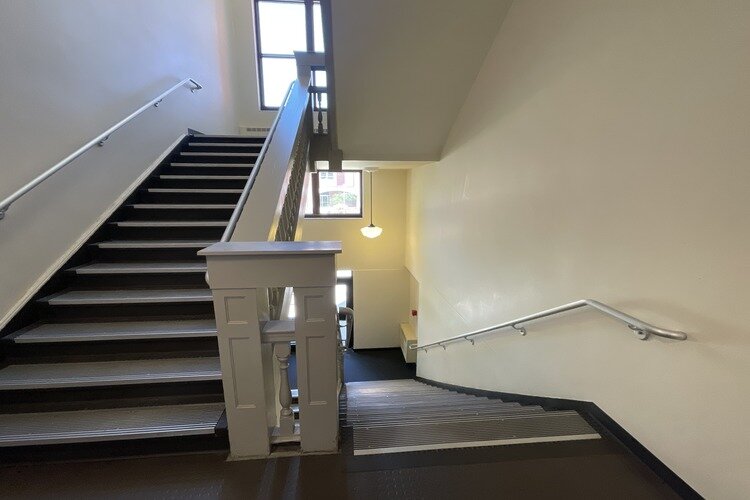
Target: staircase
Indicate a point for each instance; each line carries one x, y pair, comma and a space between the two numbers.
406, 415
120, 346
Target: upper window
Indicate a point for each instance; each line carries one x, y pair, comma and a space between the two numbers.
334, 194
281, 28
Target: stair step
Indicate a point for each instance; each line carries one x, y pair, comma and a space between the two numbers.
195, 190
183, 206
201, 165
140, 267
549, 427
154, 244
415, 418
98, 297
28, 429
105, 373
206, 177
215, 153
170, 223
96, 332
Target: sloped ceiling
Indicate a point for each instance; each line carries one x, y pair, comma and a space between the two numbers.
403, 69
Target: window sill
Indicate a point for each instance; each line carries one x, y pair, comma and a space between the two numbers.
327, 216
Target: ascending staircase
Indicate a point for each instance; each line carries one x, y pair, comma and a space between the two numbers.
406, 415
120, 345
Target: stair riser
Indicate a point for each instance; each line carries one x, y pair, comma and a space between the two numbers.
167, 233
104, 450
142, 280
121, 311
228, 139
196, 214
147, 254
147, 197
199, 183
121, 396
195, 157
195, 170
239, 148
70, 352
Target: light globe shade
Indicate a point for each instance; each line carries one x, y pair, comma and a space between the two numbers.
371, 231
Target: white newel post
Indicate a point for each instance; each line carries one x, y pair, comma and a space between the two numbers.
240, 274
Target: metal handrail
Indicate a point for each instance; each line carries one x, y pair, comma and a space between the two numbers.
641, 328
96, 141
232, 224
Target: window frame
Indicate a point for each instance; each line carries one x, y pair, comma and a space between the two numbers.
315, 193
259, 55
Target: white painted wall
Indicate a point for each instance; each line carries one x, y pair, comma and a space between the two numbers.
381, 282
403, 68
603, 152
72, 68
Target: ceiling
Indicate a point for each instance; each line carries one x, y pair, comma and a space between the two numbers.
403, 69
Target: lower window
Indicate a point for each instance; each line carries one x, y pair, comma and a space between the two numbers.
334, 194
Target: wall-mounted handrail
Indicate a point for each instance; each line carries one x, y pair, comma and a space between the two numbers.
229, 231
96, 141
641, 328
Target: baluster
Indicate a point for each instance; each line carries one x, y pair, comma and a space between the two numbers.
320, 113
282, 351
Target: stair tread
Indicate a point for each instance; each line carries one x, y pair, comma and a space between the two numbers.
126, 330
23, 429
155, 243
140, 267
98, 373
170, 223
125, 296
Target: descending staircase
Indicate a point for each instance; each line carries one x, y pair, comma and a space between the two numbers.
406, 415
120, 345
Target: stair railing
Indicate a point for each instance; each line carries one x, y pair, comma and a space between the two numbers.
99, 140
253, 271
641, 329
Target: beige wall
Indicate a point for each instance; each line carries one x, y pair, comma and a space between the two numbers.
603, 153
381, 284
70, 70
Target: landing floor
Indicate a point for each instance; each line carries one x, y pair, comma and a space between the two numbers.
581, 470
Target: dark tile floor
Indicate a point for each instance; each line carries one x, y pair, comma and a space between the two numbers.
582, 470
368, 364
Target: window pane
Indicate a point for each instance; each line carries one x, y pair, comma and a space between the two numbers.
278, 74
340, 193
318, 28
341, 292
282, 27
320, 78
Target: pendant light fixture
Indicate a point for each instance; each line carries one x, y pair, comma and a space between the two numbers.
371, 231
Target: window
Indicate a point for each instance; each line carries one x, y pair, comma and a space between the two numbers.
334, 194
281, 28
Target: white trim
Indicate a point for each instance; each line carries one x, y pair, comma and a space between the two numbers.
474, 444
86, 235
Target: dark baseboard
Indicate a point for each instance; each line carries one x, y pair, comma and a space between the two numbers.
599, 419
